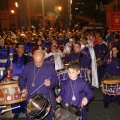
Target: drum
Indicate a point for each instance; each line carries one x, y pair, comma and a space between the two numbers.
67, 113
62, 75
111, 86
38, 106
84, 74
99, 61
10, 93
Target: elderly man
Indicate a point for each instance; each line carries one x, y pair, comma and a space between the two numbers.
36, 73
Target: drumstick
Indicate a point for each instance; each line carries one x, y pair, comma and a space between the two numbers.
10, 109
11, 58
39, 87
3, 106
110, 55
81, 108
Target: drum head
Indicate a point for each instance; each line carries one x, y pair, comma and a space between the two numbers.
38, 106
112, 80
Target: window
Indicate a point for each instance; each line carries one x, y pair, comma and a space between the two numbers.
3, 4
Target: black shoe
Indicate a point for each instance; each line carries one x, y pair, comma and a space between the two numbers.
15, 117
106, 105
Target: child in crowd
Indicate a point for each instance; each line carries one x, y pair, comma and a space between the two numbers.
75, 90
55, 56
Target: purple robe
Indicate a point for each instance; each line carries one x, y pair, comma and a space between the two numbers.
85, 58
101, 50
47, 71
18, 65
28, 47
85, 62
60, 42
112, 69
116, 44
4, 55
81, 90
71, 57
11, 50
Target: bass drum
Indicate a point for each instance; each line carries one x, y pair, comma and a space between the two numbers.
38, 106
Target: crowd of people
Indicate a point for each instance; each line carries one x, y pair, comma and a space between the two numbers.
38, 56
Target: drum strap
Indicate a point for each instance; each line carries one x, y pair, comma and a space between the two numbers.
106, 75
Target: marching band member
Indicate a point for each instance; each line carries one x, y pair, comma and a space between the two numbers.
75, 90
101, 51
3, 54
87, 59
112, 63
16, 67
36, 73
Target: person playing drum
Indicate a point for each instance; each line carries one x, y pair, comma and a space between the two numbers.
75, 90
112, 63
39, 73
101, 51
16, 67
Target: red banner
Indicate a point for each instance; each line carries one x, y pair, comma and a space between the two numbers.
115, 20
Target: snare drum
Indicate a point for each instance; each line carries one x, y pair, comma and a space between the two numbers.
84, 74
10, 93
38, 106
62, 75
111, 86
68, 113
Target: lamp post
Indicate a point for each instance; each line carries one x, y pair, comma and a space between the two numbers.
70, 12
12, 11
43, 14
16, 5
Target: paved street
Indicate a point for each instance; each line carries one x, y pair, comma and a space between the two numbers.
96, 110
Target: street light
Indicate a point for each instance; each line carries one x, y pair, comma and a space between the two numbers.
43, 13
70, 12
16, 4
12, 11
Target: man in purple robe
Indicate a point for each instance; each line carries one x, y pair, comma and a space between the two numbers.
39, 73
16, 67
75, 90
101, 51
112, 63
